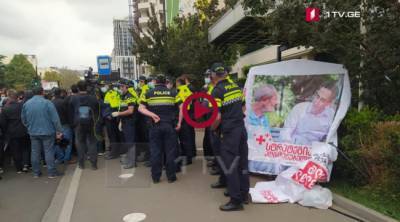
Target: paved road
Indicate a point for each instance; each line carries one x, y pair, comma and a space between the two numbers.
23, 198
102, 196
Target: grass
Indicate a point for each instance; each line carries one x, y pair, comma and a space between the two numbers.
385, 203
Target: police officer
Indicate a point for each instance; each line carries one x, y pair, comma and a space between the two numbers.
186, 134
188, 83
131, 89
143, 87
141, 90
215, 138
215, 142
142, 81
105, 111
233, 149
161, 106
208, 153
190, 130
112, 99
142, 123
125, 114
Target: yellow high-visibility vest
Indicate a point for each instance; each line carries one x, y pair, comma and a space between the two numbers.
132, 91
183, 93
112, 98
143, 92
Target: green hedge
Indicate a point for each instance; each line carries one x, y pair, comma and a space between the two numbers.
371, 140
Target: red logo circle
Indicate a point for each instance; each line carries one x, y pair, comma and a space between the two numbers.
199, 110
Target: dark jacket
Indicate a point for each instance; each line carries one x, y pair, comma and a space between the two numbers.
72, 102
10, 121
62, 110
86, 100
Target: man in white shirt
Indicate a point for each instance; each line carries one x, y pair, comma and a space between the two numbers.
310, 121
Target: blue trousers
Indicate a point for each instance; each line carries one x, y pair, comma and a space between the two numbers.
162, 139
47, 144
61, 154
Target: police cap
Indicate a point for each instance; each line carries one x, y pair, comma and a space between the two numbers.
124, 82
219, 69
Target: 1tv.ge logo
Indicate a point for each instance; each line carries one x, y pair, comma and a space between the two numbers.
314, 14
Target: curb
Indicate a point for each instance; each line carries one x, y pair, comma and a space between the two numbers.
360, 210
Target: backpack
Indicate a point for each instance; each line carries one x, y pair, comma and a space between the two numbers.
84, 115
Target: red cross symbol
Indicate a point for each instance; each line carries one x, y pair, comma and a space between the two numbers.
260, 140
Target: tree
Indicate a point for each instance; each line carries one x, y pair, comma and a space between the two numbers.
149, 46
52, 76
231, 3
182, 47
372, 58
68, 77
19, 73
64, 76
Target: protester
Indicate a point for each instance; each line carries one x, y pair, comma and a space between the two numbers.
41, 119
74, 89
3, 98
15, 132
86, 115
61, 104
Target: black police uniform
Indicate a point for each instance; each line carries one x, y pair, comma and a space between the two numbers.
128, 129
233, 149
162, 135
191, 129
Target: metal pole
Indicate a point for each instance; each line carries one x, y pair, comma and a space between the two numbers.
280, 49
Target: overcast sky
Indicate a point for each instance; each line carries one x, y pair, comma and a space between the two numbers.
60, 32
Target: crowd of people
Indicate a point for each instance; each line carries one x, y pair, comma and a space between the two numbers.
111, 119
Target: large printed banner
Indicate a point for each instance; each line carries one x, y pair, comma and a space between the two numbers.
290, 106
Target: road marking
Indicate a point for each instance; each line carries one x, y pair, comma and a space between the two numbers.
68, 206
126, 175
134, 217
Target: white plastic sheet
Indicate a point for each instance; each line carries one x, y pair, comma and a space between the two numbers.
318, 197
